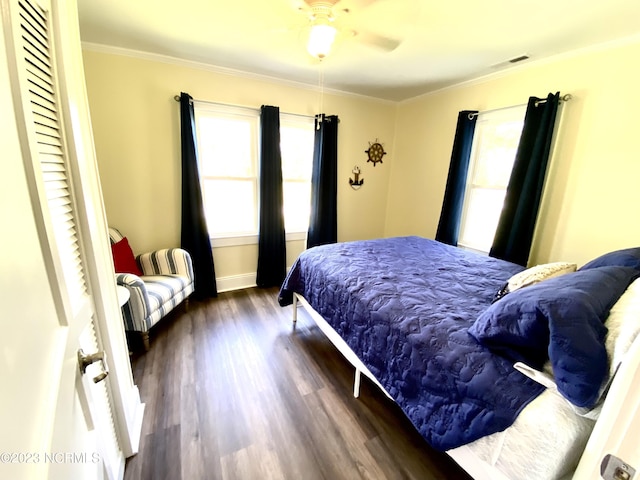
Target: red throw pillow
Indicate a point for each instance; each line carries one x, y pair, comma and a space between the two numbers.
123, 259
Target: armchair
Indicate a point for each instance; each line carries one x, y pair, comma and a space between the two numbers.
157, 282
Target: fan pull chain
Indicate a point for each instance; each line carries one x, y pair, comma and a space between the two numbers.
321, 83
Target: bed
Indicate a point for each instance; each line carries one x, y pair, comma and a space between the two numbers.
426, 322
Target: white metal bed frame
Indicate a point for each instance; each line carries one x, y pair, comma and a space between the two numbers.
615, 432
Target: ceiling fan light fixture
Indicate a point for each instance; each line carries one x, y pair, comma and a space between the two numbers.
321, 39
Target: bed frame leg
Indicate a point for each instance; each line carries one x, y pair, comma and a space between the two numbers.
295, 308
356, 384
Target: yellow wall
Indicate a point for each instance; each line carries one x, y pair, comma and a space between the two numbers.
137, 136
591, 188
592, 185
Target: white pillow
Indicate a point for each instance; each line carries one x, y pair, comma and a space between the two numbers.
534, 275
623, 324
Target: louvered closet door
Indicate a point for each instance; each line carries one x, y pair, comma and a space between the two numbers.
74, 436
50, 154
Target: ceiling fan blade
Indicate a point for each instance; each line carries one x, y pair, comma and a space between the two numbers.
387, 44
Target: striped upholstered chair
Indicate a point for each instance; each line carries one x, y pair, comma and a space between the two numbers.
166, 280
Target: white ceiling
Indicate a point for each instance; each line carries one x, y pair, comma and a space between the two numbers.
443, 43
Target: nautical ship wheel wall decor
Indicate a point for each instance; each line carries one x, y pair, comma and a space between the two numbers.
375, 152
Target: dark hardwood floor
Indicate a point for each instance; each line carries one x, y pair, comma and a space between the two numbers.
233, 391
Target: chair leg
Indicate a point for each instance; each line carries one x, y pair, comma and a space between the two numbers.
145, 340
186, 305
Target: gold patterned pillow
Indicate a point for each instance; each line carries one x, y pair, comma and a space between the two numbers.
534, 275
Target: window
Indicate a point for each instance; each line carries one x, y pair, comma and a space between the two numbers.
495, 142
296, 145
228, 152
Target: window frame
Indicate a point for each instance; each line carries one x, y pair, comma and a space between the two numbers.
220, 111
489, 118
230, 111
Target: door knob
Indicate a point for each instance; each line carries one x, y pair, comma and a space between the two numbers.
85, 360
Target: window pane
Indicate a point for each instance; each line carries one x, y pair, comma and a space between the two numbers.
297, 199
230, 207
225, 146
497, 148
481, 220
296, 145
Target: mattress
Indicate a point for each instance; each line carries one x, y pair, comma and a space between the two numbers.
545, 442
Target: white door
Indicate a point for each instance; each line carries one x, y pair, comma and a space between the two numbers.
56, 422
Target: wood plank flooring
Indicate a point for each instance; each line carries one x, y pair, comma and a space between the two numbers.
233, 391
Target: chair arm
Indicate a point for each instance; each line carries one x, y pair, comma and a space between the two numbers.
130, 280
137, 309
169, 261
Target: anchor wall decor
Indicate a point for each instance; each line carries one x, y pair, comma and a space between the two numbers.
356, 182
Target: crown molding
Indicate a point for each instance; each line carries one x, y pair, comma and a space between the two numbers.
154, 57
600, 47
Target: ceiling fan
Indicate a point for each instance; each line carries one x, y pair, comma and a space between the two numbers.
329, 18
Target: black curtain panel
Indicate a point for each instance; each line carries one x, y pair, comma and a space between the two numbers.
271, 235
323, 220
516, 226
451, 213
195, 236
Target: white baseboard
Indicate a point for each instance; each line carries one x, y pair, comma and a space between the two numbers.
236, 282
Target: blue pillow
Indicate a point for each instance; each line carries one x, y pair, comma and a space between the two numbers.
628, 257
560, 319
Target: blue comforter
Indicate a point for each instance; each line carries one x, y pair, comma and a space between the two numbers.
404, 306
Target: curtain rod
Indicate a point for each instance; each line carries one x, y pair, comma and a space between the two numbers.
565, 98
177, 99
